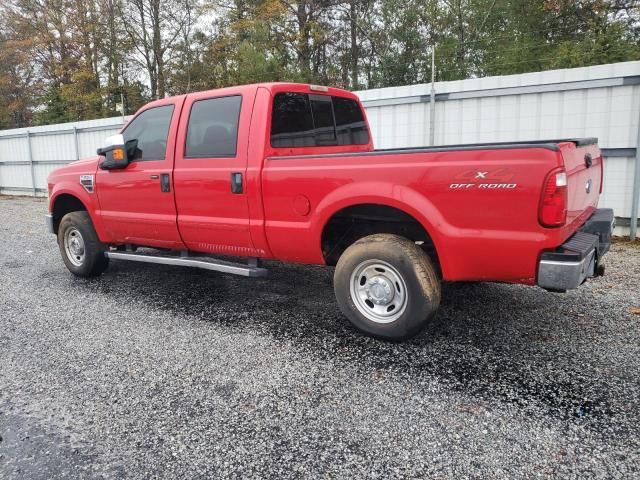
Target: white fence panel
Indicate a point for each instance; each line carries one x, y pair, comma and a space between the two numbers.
90, 140
618, 175
13, 149
28, 155
14, 177
52, 147
40, 173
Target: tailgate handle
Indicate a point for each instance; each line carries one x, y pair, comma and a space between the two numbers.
588, 160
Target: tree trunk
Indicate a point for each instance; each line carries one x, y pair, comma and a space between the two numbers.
161, 77
304, 50
354, 51
158, 51
460, 54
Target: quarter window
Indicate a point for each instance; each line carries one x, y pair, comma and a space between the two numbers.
213, 128
150, 129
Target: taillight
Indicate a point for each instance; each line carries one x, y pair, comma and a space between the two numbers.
553, 204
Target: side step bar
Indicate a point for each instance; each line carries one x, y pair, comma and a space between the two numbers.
207, 263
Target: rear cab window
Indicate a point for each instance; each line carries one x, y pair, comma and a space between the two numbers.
309, 120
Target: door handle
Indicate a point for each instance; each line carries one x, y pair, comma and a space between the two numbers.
165, 183
236, 182
154, 177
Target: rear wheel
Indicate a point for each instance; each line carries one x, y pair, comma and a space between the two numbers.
82, 251
387, 286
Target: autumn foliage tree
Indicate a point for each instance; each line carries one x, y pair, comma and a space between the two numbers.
64, 60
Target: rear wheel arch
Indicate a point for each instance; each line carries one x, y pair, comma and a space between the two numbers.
348, 224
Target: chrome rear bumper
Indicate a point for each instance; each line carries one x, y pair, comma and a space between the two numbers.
580, 257
563, 275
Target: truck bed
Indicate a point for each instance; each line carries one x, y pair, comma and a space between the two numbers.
479, 202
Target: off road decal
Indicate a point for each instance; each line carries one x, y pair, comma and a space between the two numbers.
499, 179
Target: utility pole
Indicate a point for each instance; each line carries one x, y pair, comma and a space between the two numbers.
120, 106
635, 200
432, 104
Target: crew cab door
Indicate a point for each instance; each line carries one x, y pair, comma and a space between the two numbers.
136, 203
210, 172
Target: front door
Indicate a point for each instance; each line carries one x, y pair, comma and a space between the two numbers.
210, 173
137, 203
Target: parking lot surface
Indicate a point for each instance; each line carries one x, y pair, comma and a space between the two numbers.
161, 372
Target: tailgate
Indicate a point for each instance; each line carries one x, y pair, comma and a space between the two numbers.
584, 167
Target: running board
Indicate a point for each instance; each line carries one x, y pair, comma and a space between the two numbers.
207, 263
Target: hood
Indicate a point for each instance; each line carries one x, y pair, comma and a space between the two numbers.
86, 166
91, 163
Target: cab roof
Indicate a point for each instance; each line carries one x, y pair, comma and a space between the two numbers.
273, 87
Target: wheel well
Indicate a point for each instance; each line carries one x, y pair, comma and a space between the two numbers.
64, 204
353, 223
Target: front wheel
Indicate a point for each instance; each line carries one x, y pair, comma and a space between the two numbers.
82, 251
387, 286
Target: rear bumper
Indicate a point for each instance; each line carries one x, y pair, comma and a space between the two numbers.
580, 257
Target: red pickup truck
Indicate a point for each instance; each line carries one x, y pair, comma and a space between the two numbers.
288, 172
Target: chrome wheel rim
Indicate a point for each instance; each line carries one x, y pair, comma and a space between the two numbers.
378, 291
74, 246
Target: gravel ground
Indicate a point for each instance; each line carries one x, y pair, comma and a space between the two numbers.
153, 371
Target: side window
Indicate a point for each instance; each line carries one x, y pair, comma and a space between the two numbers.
301, 120
351, 128
291, 122
212, 130
150, 129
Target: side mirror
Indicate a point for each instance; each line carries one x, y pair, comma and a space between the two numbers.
115, 153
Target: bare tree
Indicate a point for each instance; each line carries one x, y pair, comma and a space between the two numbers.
154, 28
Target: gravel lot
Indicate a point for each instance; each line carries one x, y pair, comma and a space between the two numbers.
156, 371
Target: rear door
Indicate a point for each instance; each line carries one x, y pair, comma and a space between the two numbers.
136, 203
210, 172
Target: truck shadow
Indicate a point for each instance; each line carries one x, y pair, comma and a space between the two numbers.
520, 345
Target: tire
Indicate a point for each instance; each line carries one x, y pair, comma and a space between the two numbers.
394, 273
81, 250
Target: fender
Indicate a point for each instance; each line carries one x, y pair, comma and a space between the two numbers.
392, 195
89, 200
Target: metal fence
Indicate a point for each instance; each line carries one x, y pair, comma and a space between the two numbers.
27, 155
601, 101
